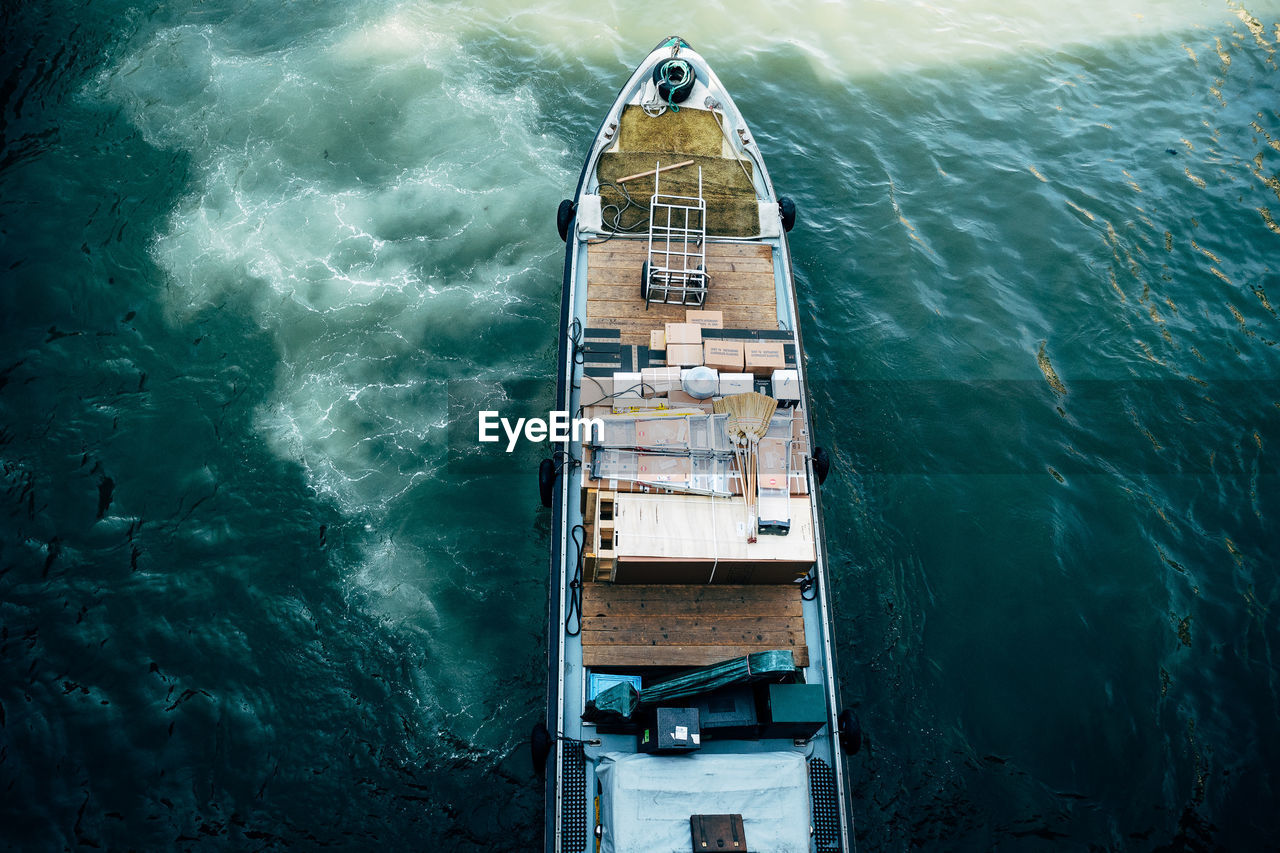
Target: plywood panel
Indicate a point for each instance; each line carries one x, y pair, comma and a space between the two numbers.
688, 625
694, 527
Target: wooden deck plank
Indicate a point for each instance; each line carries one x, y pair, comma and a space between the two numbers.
639, 246
625, 625
704, 626
636, 311
726, 599
730, 278
663, 636
613, 313
752, 287
717, 297
742, 287
637, 657
612, 262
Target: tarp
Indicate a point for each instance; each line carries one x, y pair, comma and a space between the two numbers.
647, 800
760, 666
614, 704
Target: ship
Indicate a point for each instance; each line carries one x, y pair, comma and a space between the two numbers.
692, 699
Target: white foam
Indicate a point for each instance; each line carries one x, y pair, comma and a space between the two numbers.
350, 194
841, 39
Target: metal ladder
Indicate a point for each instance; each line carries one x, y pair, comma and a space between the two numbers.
675, 271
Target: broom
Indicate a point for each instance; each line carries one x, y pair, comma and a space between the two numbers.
749, 416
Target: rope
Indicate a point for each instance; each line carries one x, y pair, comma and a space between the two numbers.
615, 222
666, 78
575, 586
575, 338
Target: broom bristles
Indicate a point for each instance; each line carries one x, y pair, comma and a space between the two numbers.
748, 421
749, 413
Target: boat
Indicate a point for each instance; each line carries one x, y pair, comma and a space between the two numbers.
692, 701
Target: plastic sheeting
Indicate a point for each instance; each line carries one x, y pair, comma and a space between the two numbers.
758, 666
614, 704
647, 799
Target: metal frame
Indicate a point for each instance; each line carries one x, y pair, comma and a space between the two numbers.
676, 268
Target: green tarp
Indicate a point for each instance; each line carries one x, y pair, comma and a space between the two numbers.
761, 666
620, 702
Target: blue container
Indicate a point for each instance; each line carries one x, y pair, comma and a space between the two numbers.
601, 681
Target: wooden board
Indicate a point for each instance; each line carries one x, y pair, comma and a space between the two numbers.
688, 625
694, 527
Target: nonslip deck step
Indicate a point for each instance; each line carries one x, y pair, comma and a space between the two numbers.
575, 797
826, 815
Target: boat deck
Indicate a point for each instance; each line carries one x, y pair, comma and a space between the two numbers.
642, 625
742, 287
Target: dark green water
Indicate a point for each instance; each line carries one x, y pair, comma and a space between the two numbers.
247, 601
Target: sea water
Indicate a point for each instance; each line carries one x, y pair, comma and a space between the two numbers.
252, 594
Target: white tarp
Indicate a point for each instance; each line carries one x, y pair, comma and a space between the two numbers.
647, 799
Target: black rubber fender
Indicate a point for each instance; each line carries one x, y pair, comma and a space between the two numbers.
540, 747
546, 480
675, 78
821, 464
564, 218
850, 733
644, 281
787, 210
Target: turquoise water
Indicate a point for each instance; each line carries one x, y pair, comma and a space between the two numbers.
250, 599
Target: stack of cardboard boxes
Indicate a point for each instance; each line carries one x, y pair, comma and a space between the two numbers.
619, 380
744, 360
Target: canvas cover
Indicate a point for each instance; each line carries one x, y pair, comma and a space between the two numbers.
647, 800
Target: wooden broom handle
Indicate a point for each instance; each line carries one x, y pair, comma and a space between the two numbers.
652, 171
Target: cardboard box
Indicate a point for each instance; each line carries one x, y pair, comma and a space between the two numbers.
626, 389
798, 472
660, 381
682, 333
649, 383
664, 470
723, 355
681, 400
736, 383
772, 460
659, 433
683, 355
597, 386
705, 319
658, 340
764, 357
786, 386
